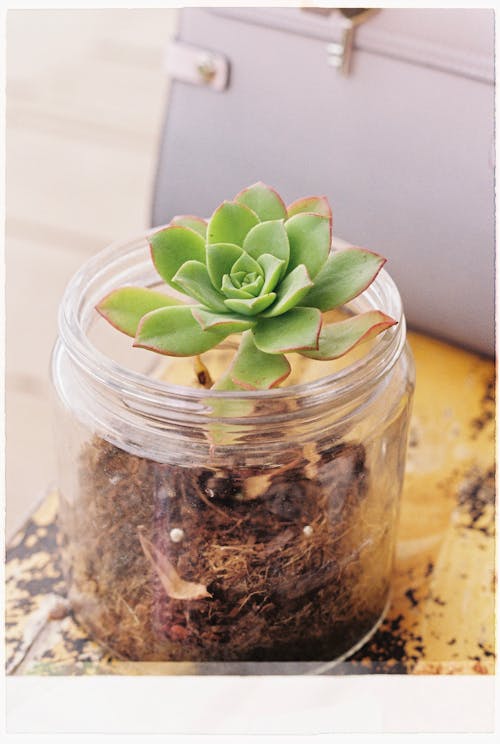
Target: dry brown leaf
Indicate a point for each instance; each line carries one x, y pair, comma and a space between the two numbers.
175, 587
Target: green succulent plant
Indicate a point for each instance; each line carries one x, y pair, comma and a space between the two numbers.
256, 268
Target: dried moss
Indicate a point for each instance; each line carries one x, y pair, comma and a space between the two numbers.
276, 591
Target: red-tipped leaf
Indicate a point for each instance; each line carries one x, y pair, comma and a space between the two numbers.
314, 204
336, 339
253, 369
263, 200
344, 276
123, 308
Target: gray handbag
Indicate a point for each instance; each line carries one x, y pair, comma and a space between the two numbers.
389, 113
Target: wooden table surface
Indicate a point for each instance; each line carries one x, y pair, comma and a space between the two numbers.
441, 617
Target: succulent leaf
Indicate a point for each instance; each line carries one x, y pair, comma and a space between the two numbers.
337, 339
290, 292
230, 223
175, 332
269, 237
237, 277
344, 276
259, 269
221, 258
233, 408
310, 241
253, 369
264, 201
273, 268
297, 329
247, 265
252, 284
172, 247
252, 306
194, 280
229, 321
197, 224
125, 307
311, 204
234, 293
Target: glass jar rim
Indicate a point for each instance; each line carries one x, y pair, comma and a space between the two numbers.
79, 301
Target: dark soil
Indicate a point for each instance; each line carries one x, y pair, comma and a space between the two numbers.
475, 496
166, 562
488, 406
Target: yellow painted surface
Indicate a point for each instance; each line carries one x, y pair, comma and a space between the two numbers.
441, 619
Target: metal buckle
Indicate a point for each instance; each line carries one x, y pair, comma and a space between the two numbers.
340, 53
198, 66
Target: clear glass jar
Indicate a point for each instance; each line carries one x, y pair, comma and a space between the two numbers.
215, 526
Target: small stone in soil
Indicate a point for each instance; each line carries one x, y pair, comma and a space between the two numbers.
176, 535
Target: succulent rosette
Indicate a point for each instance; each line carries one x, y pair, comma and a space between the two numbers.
256, 268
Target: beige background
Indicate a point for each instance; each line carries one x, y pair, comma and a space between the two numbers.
86, 92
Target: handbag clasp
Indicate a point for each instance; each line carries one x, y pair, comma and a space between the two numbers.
340, 53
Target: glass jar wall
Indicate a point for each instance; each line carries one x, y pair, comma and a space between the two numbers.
216, 526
